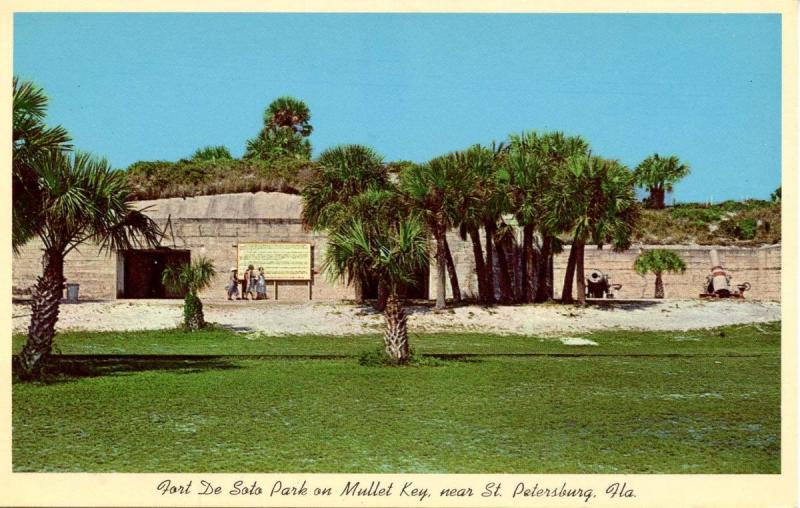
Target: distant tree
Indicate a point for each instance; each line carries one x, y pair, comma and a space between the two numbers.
210, 153
393, 251
775, 197
658, 261
79, 199
658, 175
190, 279
285, 132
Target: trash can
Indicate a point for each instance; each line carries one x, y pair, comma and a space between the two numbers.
72, 292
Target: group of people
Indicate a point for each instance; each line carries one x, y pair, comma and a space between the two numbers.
254, 284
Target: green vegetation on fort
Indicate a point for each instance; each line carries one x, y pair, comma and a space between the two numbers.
712, 408
746, 223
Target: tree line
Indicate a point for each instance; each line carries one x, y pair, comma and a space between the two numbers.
547, 185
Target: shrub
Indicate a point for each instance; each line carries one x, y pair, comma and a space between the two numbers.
701, 215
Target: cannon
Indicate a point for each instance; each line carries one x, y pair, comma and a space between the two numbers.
718, 282
598, 285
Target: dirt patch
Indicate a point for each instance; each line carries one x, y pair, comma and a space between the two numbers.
346, 319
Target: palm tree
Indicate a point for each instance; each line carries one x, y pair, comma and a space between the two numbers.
285, 132
393, 252
211, 153
658, 261
329, 197
32, 141
658, 175
437, 190
80, 199
597, 204
478, 161
533, 161
190, 279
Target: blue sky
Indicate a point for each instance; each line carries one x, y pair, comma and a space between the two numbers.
157, 86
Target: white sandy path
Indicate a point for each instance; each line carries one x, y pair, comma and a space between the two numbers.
342, 319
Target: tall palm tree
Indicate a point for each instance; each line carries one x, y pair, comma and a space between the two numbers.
329, 197
285, 132
437, 191
659, 261
534, 159
476, 211
80, 199
190, 279
658, 175
393, 252
32, 141
597, 204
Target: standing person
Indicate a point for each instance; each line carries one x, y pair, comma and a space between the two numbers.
233, 285
251, 283
245, 281
261, 285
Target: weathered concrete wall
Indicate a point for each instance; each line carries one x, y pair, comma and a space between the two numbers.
761, 267
96, 273
209, 226
212, 226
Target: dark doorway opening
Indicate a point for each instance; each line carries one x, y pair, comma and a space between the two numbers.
143, 269
417, 290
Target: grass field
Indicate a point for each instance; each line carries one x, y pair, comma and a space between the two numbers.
705, 401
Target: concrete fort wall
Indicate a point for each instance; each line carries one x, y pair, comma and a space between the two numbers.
760, 266
209, 226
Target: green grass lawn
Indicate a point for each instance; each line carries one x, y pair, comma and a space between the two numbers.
633, 408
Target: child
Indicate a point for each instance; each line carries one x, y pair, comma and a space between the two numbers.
233, 285
261, 285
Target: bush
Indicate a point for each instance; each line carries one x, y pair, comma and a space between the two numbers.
740, 229
701, 215
747, 228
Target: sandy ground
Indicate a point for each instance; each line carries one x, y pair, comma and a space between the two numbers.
346, 319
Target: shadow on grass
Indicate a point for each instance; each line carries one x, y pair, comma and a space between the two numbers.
59, 369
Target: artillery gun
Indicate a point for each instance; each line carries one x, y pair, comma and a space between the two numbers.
718, 282
598, 285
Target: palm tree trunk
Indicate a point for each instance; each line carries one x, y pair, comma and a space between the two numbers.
193, 318
395, 337
451, 270
358, 286
566, 291
480, 267
528, 265
544, 268
441, 276
506, 294
489, 228
44, 313
580, 276
383, 296
657, 197
522, 283
659, 286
